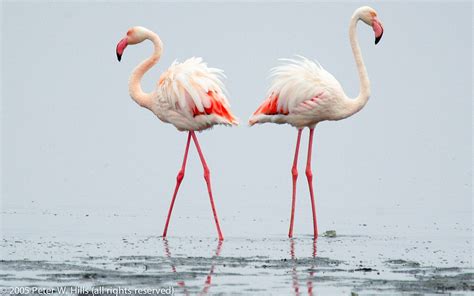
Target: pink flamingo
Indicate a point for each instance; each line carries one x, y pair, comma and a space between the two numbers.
189, 95
302, 94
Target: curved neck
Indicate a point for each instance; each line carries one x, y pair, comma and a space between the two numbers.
364, 93
134, 86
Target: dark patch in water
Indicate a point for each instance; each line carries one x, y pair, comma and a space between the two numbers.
401, 262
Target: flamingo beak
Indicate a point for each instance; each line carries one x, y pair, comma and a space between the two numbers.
378, 29
121, 47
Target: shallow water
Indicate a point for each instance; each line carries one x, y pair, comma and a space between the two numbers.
355, 262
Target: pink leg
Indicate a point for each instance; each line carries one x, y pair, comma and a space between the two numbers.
179, 179
207, 177
309, 176
294, 173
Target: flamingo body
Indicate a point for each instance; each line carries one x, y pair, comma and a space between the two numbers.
191, 96
302, 94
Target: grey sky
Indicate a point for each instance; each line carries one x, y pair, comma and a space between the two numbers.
71, 136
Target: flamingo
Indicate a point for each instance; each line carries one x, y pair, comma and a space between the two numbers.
303, 93
189, 95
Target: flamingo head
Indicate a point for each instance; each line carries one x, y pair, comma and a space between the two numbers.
135, 35
369, 16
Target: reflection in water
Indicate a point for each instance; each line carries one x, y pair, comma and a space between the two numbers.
173, 268
207, 283
294, 272
211, 271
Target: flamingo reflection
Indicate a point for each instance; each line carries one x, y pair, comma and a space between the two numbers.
208, 282
294, 272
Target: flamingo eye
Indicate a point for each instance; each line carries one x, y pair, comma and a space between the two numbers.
129, 32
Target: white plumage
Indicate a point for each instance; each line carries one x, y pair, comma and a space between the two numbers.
192, 96
305, 94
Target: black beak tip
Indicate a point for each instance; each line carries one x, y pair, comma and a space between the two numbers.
119, 57
377, 39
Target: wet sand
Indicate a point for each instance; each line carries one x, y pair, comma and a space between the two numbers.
340, 265
193, 265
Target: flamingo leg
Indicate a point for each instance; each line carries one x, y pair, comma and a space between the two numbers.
179, 179
309, 177
294, 173
207, 177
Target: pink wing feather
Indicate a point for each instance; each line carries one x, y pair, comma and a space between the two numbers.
296, 87
195, 89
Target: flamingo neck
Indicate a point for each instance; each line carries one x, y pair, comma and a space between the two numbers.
359, 102
134, 84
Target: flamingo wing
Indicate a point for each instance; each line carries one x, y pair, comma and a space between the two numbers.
297, 86
194, 90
